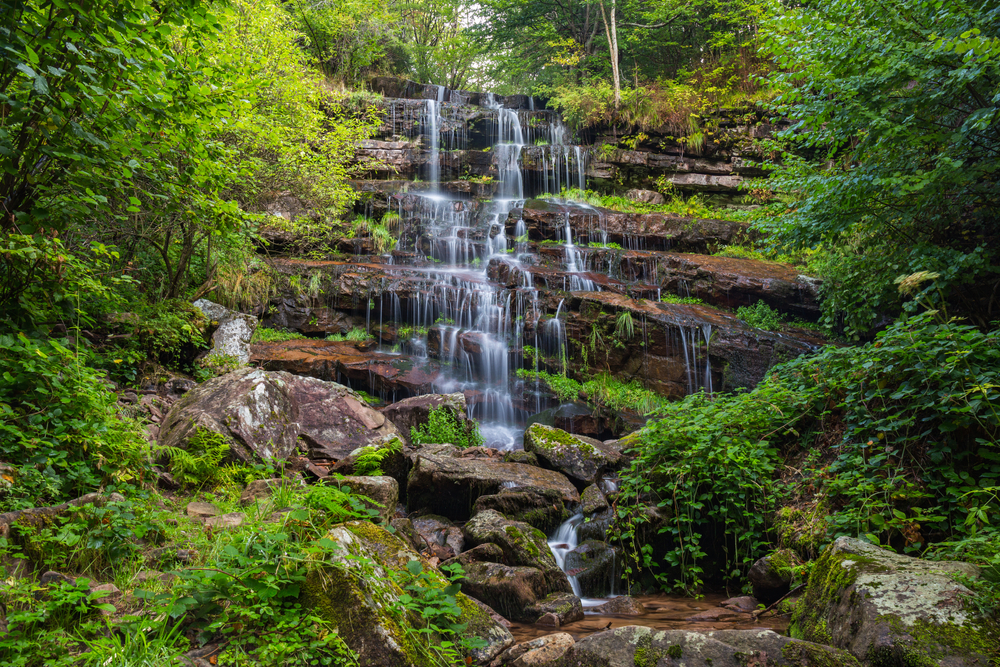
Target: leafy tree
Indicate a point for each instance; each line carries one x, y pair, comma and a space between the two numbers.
897, 106
441, 49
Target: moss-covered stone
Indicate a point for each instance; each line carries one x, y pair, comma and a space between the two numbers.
583, 460
890, 610
356, 591
522, 545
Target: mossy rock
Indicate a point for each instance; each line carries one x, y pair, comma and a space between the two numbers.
597, 567
890, 610
510, 590
544, 510
593, 501
581, 459
645, 647
356, 591
521, 543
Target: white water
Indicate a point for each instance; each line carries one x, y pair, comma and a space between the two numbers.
564, 540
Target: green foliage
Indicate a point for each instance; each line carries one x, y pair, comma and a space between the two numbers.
920, 414
58, 424
443, 427
357, 335
263, 335
685, 300
603, 391
894, 107
761, 316
200, 464
370, 458
438, 608
693, 207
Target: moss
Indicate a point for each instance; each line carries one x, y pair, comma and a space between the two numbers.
520, 540
645, 655
826, 585
674, 651
925, 643
547, 437
802, 654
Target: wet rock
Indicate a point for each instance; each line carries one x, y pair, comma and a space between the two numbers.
582, 460
413, 412
541, 652
715, 615
593, 501
889, 609
450, 486
520, 456
596, 567
548, 620
267, 415
232, 331
521, 545
433, 529
596, 527
481, 553
199, 510
623, 605
356, 593
544, 511
510, 590
359, 363
384, 491
405, 530
771, 576
744, 604
566, 607
636, 645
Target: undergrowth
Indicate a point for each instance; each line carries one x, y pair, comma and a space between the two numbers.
443, 427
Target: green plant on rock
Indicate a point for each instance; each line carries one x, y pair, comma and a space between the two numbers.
444, 427
370, 458
264, 335
438, 608
761, 316
357, 335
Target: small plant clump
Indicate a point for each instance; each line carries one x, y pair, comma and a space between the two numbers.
443, 427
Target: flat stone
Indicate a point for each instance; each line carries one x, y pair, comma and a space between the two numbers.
623, 605
200, 510
231, 520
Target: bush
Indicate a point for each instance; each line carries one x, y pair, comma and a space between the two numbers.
917, 464
761, 316
443, 427
58, 425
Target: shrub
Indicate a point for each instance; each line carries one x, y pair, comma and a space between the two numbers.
443, 427
761, 316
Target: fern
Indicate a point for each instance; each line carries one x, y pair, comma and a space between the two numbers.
200, 463
334, 504
369, 460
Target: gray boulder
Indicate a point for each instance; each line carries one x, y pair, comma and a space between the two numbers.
889, 609
593, 501
450, 486
623, 605
633, 645
646, 196
510, 590
581, 459
538, 652
267, 415
544, 510
232, 331
357, 591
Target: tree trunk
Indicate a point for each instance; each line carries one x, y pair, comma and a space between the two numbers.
611, 30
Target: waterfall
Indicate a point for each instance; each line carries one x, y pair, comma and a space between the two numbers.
563, 541
432, 116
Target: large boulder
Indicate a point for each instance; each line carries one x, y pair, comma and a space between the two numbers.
267, 415
450, 486
358, 591
638, 646
521, 544
889, 609
413, 412
231, 331
583, 460
565, 607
